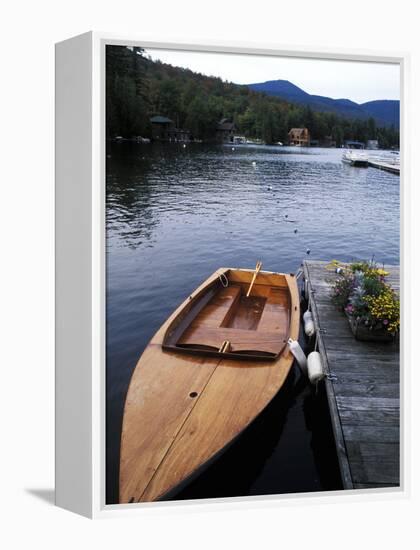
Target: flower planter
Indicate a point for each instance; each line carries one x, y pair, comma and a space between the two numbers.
370, 304
367, 333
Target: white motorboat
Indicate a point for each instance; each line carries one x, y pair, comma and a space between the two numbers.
355, 158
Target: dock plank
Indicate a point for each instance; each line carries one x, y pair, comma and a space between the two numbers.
364, 396
365, 464
388, 167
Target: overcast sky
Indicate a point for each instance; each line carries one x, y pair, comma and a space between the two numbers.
359, 82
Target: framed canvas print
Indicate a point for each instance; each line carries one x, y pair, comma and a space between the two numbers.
228, 228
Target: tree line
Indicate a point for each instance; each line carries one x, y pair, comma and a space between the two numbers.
138, 88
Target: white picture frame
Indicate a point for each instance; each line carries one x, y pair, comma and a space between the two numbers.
80, 268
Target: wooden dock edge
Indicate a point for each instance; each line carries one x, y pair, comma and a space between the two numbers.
393, 169
343, 461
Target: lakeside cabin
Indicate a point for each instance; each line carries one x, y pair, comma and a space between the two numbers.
163, 129
225, 131
299, 136
372, 144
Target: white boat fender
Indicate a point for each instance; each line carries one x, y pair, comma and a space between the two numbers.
308, 323
298, 354
315, 370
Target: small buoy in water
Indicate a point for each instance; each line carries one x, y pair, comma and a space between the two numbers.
233, 148
286, 215
254, 163
315, 370
269, 188
308, 323
308, 251
184, 145
295, 231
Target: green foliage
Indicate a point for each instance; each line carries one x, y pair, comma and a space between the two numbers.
368, 269
138, 88
356, 304
342, 289
127, 106
373, 286
362, 266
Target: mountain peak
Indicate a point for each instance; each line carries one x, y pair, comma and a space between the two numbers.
279, 88
385, 112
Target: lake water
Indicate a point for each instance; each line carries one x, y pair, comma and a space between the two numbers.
175, 214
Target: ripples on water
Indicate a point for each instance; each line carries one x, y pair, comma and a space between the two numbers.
175, 214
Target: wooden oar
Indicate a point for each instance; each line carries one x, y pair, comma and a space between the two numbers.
257, 270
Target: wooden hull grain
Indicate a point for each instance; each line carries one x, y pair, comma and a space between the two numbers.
183, 409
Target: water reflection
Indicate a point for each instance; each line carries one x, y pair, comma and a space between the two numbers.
174, 215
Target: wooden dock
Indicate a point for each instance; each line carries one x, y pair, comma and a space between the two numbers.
364, 397
388, 167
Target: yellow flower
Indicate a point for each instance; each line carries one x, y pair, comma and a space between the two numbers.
385, 308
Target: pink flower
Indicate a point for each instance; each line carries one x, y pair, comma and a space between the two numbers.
385, 321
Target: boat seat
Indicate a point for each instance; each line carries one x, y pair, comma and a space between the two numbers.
240, 340
259, 328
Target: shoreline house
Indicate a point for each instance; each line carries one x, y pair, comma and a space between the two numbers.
372, 144
225, 131
299, 136
163, 129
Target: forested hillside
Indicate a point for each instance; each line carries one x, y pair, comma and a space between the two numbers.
138, 88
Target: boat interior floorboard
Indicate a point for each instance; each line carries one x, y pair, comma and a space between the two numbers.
258, 322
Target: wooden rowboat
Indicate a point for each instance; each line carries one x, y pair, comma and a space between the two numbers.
211, 368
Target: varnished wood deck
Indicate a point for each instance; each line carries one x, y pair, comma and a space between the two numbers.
364, 399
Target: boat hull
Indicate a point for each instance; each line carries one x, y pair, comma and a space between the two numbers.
182, 409
360, 161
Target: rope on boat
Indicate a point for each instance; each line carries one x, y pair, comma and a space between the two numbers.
224, 280
326, 372
299, 274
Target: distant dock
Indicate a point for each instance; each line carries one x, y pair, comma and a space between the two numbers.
382, 165
363, 391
